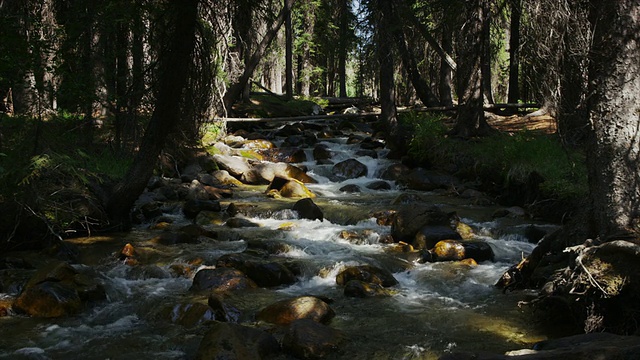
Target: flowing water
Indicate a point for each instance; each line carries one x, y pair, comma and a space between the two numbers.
436, 308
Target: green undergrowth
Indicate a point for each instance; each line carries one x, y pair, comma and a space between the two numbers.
60, 148
502, 157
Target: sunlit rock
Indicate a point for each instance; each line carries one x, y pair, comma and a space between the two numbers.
289, 188
307, 339
304, 307
448, 250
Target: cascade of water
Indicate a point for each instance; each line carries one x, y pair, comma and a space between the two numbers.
434, 308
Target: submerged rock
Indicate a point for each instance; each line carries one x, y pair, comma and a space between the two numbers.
411, 218
366, 273
264, 273
221, 280
232, 341
361, 289
307, 339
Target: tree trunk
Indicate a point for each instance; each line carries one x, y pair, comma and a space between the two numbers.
389, 112
514, 52
234, 92
486, 52
343, 48
409, 62
288, 54
470, 120
445, 87
166, 114
614, 156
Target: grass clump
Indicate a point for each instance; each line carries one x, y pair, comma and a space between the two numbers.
502, 157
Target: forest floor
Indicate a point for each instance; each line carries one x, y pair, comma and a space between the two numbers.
543, 124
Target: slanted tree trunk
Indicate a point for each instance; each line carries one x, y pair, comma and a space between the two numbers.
234, 92
173, 79
614, 156
445, 87
411, 66
470, 120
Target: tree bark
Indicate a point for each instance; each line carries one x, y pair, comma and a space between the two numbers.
614, 156
486, 52
166, 114
234, 92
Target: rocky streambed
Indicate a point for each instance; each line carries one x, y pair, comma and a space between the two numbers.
294, 241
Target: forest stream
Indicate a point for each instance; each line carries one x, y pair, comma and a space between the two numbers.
435, 307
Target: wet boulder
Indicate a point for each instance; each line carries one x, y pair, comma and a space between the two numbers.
263, 272
307, 339
379, 185
219, 178
221, 310
289, 155
361, 289
232, 341
192, 208
452, 250
49, 299
427, 180
307, 209
286, 311
189, 315
267, 172
221, 279
349, 169
56, 290
234, 165
395, 172
239, 222
351, 188
409, 219
322, 152
366, 273
428, 236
